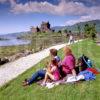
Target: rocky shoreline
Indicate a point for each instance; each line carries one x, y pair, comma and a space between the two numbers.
15, 57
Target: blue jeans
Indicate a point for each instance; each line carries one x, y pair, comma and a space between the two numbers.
39, 74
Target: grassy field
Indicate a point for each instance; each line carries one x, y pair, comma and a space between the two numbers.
89, 90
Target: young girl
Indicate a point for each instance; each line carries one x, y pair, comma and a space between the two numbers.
40, 74
52, 71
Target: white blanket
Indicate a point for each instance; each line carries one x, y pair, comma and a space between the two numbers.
68, 79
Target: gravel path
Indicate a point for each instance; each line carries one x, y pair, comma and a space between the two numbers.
11, 70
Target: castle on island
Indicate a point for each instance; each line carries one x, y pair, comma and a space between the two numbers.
44, 27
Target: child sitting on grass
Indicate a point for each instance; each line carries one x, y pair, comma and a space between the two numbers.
52, 72
40, 74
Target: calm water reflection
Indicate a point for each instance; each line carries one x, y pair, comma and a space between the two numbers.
12, 40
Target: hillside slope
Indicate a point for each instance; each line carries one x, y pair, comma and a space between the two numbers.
73, 28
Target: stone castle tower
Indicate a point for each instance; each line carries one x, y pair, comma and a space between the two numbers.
44, 27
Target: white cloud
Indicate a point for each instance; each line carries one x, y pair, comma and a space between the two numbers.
62, 8
12, 2
93, 14
65, 7
83, 19
2, 1
33, 7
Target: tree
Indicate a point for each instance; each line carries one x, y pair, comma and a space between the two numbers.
93, 31
90, 30
59, 31
38, 30
79, 29
70, 32
53, 30
65, 31
86, 30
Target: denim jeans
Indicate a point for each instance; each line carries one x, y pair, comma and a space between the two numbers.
40, 74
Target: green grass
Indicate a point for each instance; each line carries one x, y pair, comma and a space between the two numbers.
89, 90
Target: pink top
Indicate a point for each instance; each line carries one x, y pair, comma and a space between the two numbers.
68, 64
55, 73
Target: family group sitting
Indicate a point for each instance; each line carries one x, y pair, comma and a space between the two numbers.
58, 69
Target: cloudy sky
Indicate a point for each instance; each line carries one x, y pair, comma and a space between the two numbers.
19, 15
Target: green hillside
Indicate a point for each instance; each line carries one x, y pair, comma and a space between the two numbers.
73, 28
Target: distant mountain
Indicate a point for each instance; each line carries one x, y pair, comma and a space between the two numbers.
73, 28
14, 35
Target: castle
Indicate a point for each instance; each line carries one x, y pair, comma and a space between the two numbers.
44, 27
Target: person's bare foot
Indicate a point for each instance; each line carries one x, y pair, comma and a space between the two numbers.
25, 83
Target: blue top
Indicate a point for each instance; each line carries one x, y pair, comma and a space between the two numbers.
57, 58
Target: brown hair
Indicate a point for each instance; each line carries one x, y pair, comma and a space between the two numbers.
67, 50
53, 52
54, 62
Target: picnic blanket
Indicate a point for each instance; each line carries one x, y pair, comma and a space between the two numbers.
83, 75
68, 79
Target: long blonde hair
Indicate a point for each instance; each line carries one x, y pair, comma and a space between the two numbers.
67, 50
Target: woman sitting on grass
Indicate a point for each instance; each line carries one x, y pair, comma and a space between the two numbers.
68, 63
52, 72
40, 74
